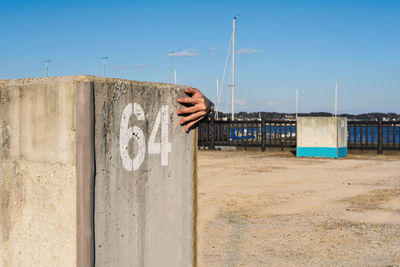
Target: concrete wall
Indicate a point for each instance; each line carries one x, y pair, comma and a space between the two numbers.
316, 132
55, 135
38, 172
144, 213
321, 136
342, 132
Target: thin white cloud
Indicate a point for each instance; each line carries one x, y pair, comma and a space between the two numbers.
183, 53
272, 103
239, 102
249, 51
398, 68
142, 66
123, 67
212, 50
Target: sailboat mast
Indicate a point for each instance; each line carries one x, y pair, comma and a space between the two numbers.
233, 70
336, 100
297, 102
175, 75
217, 100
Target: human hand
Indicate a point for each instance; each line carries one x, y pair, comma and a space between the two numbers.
197, 108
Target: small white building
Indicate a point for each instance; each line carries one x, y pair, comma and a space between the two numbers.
321, 137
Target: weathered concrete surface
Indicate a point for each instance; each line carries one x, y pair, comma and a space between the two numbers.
37, 172
143, 217
55, 134
342, 132
85, 173
322, 136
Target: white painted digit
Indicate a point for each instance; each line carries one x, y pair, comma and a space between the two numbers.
126, 133
155, 148
164, 148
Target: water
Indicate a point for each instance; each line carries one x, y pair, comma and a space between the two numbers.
251, 132
373, 134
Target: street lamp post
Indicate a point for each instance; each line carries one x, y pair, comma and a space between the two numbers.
47, 61
104, 65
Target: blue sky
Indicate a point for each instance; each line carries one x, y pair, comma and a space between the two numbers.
285, 45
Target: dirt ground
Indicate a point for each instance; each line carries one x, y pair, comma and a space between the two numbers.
273, 209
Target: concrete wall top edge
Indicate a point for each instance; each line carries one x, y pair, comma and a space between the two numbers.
83, 78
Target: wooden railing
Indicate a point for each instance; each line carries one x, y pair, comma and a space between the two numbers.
275, 133
377, 135
264, 133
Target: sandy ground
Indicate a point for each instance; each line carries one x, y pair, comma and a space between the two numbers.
272, 209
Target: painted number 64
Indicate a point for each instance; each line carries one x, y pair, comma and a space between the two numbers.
126, 133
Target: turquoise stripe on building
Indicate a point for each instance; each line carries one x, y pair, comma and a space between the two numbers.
323, 152
342, 152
